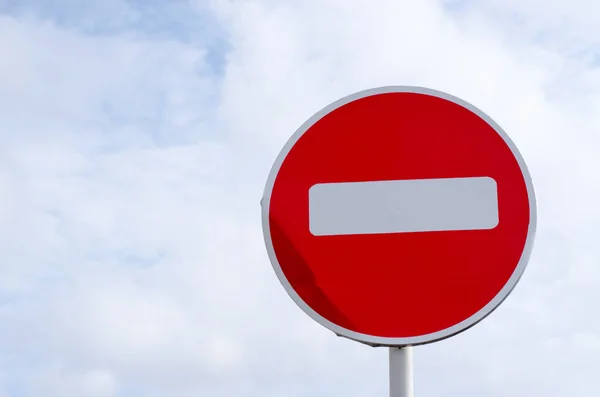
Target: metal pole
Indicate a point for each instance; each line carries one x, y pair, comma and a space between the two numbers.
401, 372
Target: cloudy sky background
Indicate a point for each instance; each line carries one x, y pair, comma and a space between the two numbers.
135, 140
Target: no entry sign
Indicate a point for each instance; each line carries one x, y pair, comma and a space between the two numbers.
399, 216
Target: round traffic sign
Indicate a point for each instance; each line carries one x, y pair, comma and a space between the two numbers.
399, 216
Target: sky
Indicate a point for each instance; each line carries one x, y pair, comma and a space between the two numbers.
135, 141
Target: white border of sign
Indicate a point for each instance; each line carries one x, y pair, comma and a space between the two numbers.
419, 339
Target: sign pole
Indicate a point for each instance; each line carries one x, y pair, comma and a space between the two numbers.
401, 372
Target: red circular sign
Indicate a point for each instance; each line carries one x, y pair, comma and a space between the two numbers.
399, 216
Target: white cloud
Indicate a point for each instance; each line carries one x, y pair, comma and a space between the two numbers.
56, 382
131, 253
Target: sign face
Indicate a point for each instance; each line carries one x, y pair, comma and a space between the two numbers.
399, 216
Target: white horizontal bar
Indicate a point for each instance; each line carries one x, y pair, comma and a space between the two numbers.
403, 206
